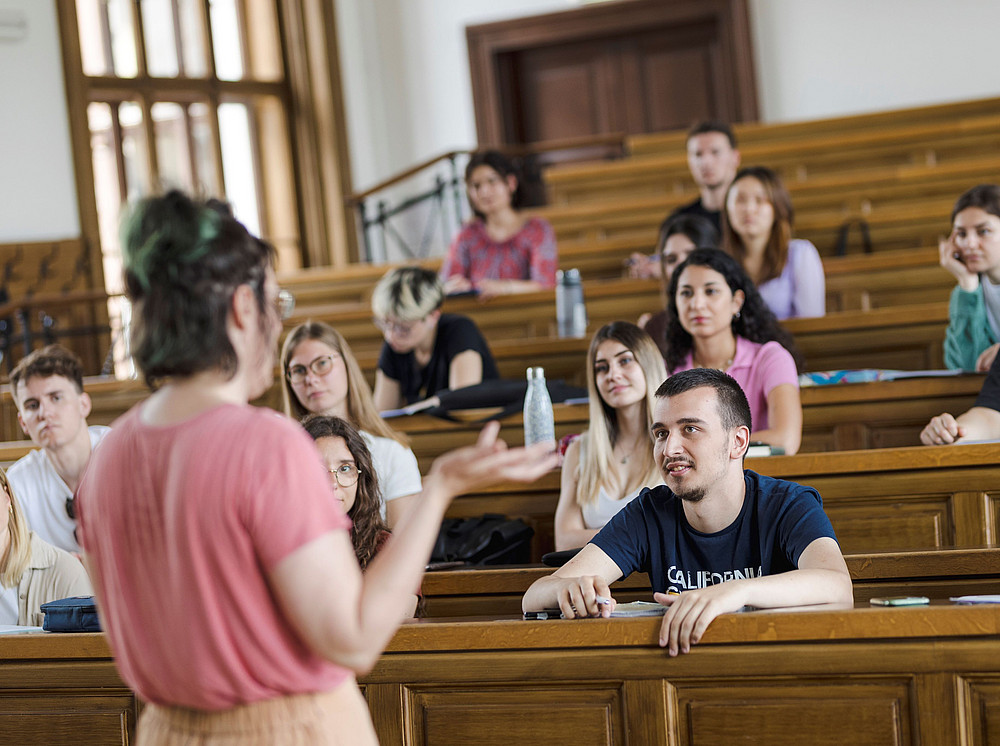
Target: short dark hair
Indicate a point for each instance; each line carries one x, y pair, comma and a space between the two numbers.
54, 360
499, 163
183, 261
984, 196
701, 231
734, 410
711, 125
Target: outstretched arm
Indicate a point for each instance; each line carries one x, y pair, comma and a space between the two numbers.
349, 618
822, 577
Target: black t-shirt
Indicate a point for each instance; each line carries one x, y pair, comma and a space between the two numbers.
696, 208
455, 334
989, 394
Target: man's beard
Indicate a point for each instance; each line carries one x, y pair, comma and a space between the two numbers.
693, 495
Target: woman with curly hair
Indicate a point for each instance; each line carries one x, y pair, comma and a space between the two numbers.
757, 230
355, 484
717, 319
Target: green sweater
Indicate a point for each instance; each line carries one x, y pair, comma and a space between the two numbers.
969, 330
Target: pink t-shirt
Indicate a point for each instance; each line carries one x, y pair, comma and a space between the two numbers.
182, 524
758, 368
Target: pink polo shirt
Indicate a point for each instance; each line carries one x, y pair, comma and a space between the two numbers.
758, 368
182, 524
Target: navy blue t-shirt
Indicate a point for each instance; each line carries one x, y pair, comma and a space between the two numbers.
651, 534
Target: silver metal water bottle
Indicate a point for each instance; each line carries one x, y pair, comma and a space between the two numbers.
539, 424
571, 312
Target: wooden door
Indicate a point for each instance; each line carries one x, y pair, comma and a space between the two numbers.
631, 66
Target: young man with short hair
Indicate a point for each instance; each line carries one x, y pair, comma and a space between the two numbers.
52, 409
714, 538
713, 159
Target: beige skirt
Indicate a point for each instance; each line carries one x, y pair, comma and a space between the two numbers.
325, 719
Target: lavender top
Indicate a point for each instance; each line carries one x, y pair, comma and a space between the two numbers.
800, 289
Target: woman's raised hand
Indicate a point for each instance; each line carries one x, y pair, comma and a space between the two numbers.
951, 261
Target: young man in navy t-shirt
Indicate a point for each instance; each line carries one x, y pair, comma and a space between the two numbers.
714, 538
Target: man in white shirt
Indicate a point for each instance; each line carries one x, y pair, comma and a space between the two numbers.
52, 409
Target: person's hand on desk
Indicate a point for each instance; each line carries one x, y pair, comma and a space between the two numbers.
577, 597
689, 614
942, 430
986, 358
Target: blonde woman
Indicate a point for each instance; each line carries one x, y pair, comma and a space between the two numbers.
32, 572
322, 376
613, 460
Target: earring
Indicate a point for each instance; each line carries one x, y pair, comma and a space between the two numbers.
736, 316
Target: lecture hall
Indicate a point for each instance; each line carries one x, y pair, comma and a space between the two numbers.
722, 271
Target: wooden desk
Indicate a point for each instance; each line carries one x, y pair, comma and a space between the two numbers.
884, 500
841, 417
867, 676
926, 675
492, 591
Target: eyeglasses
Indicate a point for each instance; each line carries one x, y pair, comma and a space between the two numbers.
284, 302
321, 366
395, 327
346, 474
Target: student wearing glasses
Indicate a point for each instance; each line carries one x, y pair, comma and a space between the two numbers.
322, 376
425, 351
355, 483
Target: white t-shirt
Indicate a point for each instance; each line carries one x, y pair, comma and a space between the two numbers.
42, 494
8, 605
395, 466
598, 513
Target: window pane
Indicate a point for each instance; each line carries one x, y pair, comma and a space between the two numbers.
123, 42
193, 53
107, 189
95, 50
206, 180
173, 154
161, 38
226, 35
263, 43
138, 182
237, 164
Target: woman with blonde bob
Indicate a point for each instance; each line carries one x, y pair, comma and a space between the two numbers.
32, 572
613, 460
322, 376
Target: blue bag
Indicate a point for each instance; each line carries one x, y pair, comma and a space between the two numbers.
74, 614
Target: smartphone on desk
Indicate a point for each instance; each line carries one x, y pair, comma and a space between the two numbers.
900, 601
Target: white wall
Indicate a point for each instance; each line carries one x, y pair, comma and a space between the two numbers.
817, 58
408, 95
37, 190
814, 58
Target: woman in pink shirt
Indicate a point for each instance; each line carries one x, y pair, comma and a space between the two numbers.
224, 572
717, 319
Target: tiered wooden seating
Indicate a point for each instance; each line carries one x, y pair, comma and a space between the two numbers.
883, 500
940, 573
841, 417
900, 173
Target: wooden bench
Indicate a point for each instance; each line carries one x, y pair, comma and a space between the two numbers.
883, 500
939, 573
840, 417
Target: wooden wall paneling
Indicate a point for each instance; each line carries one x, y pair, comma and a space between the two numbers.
626, 62
980, 709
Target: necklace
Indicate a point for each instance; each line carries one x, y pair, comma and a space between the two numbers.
628, 454
698, 363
